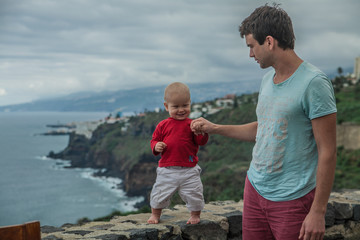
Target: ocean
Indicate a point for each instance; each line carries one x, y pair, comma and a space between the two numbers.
34, 187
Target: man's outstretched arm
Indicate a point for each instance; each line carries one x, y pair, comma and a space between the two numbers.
244, 132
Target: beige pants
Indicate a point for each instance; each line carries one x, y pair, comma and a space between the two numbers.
185, 180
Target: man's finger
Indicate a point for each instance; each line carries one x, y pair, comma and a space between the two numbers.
302, 231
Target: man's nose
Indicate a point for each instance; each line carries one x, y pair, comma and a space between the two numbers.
251, 53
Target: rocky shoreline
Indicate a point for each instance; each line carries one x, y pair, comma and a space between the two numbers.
136, 180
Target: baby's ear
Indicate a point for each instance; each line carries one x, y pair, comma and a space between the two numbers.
166, 106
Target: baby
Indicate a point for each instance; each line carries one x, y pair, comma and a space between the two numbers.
178, 145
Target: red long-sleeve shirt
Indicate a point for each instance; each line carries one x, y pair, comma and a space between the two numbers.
182, 143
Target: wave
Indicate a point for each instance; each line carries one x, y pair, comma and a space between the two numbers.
111, 184
59, 164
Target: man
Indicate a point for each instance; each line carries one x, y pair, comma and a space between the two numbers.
292, 170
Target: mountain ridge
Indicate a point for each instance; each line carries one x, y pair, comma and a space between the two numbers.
134, 100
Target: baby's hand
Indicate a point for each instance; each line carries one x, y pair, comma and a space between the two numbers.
160, 146
199, 126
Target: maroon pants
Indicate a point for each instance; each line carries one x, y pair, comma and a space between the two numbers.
264, 219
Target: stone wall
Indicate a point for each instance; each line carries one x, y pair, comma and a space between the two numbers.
348, 135
219, 221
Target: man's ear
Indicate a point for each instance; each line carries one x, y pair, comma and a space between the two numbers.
270, 42
166, 106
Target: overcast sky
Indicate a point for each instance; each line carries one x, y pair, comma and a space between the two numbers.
57, 47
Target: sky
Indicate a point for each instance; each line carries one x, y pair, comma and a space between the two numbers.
51, 48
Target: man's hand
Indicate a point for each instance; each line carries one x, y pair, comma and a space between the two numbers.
160, 146
202, 126
313, 227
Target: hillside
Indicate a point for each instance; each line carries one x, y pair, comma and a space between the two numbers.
126, 154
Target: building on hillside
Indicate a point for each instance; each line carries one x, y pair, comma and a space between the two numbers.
197, 107
207, 108
196, 114
225, 103
230, 96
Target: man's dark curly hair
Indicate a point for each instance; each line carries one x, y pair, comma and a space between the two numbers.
269, 21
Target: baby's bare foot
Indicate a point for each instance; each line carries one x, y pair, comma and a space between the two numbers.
154, 219
155, 216
194, 218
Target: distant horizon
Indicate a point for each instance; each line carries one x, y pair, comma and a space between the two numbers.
330, 75
113, 91
132, 101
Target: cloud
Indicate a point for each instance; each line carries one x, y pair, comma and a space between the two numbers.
51, 47
2, 92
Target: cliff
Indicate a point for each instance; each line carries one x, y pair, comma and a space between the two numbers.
220, 220
122, 155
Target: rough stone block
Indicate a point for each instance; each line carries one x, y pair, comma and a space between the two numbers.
102, 227
235, 224
170, 235
334, 236
51, 229
78, 232
112, 237
144, 234
343, 210
51, 237
356, 208
204, 230
330, 215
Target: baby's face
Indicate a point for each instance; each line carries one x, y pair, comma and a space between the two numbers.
178, 106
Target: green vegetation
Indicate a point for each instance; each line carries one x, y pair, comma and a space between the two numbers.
348, 104
347, 169
347, 98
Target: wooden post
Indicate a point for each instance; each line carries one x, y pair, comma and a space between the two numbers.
27, 231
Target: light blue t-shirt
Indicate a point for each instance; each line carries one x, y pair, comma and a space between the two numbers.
285, 155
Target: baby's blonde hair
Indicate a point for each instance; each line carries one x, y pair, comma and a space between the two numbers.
176, 88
